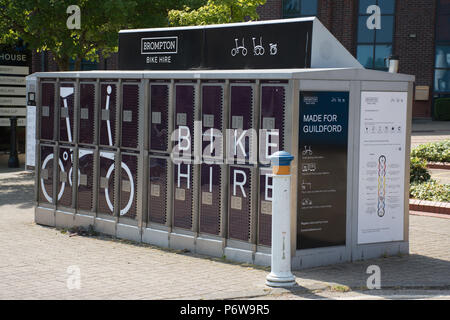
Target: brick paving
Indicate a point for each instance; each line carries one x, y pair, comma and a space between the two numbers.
34, 260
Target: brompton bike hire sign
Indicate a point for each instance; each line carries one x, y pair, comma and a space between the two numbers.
252, 45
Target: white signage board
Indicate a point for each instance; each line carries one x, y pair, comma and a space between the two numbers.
19, 81
31, 136
382, 167
12, 91
9, 112
12, 101
5, 122
14, 70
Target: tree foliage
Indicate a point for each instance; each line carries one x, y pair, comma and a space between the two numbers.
41, 24
216, 11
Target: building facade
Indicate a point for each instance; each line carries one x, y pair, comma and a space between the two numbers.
417, 31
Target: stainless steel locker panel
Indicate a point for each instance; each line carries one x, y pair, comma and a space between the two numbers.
183, 195
47, 110
240, 203
159, 116
242, 123
86, 131
265, 207
65, 176
272, 120
210, 199
66, 111
46, 174
109, 99
130, 114
85, 179
158, 185
184, 119
128, 185
107, 171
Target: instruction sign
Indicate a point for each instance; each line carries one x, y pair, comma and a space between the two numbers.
382, 166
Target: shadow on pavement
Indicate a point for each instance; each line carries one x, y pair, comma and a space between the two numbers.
16, 189
412, 272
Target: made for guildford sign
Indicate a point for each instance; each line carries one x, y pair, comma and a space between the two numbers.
238, 46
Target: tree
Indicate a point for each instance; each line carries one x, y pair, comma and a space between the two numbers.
42, 24
216, 11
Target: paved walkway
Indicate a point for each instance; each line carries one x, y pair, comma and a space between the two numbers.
34, 262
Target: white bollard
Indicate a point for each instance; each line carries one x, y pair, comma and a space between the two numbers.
280, 274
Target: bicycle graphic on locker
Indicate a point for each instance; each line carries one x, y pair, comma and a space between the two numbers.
65, 92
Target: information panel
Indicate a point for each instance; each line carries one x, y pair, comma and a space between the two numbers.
382, 166
322, 177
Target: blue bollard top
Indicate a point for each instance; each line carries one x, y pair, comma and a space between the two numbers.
281, 158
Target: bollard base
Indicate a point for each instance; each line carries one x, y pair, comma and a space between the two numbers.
273, 280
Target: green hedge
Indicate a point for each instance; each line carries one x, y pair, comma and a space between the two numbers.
442, 109
430, 190
418, 171
435, 151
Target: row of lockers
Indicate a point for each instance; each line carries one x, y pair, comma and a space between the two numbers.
229, 200
134, 114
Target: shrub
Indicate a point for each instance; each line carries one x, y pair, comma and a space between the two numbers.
418, 170
435, 151
431, 191
442, 109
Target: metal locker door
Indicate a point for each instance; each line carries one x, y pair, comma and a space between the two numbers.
128, 185
130, 115
184, 119
157, 190
241, 122
211, 174
183, 195
47, 112
87, 113
65, 176
85, 179
210, 204
108, 106
265, 207
159, 116
67, 111
106, 182
272, 121
46, 181
239, 207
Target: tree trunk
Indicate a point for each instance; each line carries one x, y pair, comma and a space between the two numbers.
62, 62
77, 66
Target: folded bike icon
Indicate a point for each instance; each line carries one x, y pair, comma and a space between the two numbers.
65, 92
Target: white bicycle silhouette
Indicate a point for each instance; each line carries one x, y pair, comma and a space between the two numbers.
238, 48
258, 50
65, 92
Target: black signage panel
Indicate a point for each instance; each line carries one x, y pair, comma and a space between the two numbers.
161, 50
240, 46
15, 56
322, 176
261, 46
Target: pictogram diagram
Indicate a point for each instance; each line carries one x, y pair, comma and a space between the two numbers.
65, 92
381, 186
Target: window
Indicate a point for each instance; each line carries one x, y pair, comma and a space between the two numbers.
375, 33
299, 8
442, 61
